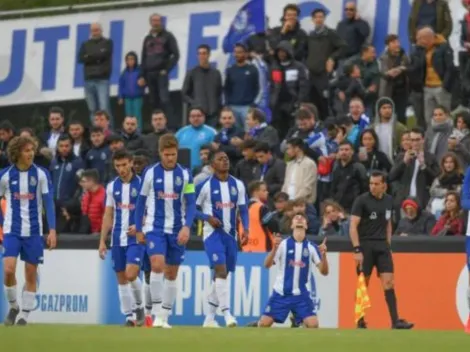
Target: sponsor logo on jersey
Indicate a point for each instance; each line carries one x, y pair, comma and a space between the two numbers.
23, 196
163, 195
125, 206
224, 205
297, 263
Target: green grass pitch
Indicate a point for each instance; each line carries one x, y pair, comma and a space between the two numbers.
76, 338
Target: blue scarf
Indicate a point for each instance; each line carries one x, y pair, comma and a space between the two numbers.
256, 131
224, 136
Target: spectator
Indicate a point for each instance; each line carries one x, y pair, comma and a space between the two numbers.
160, 54
289, 80
357, 115
259, 130
39, 159
66, 169
416, 221
133, 140
299, 205
450, 179
241, 85
347, 87
271, 169
262, 99
203, 85
98, 154
438, 133
334, 221
7, 132
230, 137
464, 67
142, 159
115, 142
459, 140
76, 131
205, 170
414, 171
351, 131
96, 55
405, 144
281, 200
290, 31
353, 30
159, 123
430, 13
388, 129
349, 178
451, 221
131, 91
93, 200
247, 169
394, 86
56, 129
301, 173
369, 154
195, 135
102, 121
286, 219
325, 47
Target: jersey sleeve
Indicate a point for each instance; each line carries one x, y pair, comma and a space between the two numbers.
241, 193
146, 183
315, 255
45, 182
109, 195
201, 191
3, 185
358, 207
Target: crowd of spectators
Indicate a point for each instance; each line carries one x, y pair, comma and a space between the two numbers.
304, 119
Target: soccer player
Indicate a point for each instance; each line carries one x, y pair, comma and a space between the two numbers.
220, 198
126, 249
26, 188
295, 257
466, 205
167, 196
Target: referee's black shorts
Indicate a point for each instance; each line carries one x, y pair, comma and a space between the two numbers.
376, 254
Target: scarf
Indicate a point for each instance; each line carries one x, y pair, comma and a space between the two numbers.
256, 131
450, 180
224, 136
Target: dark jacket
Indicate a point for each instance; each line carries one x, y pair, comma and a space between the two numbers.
64, 174
84, 148
354, 33
267, 134
462, 150
241, 84
422, 224
159, 52
151, 142
442, 61
98, 158
133, 142
437, 136
297, 38
388, 85
323, 45
223, 138
313, 222
273, 173
247, 171
128, 87
370, 71
377, 160
4, 162
348, 182
96, 56
203, 87
295, 132
443, 23
289, 83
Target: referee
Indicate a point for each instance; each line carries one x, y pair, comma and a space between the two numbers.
371, 236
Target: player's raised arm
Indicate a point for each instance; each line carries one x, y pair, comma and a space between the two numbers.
274, 256
48, 199
142, 199
319, 257
466, 190
107, 220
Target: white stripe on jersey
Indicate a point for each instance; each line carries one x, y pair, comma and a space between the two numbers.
24, 203
169, 189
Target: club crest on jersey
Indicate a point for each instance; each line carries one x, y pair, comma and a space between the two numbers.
233, 191
134, 192
178, 181
32, 181
151, 245
103, 156
215, 257
268, 309
305, 252
68, 168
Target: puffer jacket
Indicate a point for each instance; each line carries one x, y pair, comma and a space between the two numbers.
93, 207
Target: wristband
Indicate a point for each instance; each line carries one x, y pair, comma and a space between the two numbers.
357, 249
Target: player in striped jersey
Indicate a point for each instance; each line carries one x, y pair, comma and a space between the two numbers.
167, 196
295, 257
26, 188
126, 250
221, 197
466, 205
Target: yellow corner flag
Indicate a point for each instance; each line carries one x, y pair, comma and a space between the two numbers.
362, 299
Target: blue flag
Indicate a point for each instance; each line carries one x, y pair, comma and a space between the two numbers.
250, 19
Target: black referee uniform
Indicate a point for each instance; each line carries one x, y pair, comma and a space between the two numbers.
375, 215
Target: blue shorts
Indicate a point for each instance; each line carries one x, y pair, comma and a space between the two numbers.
301, 306
467, 246
122, 256
166, 245
30, 249
222, 249
146, 266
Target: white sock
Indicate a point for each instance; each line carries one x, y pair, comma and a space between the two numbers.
468, 299
221, 290
136, 287
125, 297
27, 301
10, 294
213, 302
148, 299
156, 290
169, 296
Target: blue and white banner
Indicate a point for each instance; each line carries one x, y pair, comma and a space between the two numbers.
38, 56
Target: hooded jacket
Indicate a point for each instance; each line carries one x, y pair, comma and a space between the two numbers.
159, 52
422, 224
93, 205
437, 136
65, 174
128, 87
297, 38
289, 80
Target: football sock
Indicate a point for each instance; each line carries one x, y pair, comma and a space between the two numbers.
148, 300
169, 296
213, 302
28, 300
221, 290
392, 304
136, 287
10, 294
156, 288
125, 297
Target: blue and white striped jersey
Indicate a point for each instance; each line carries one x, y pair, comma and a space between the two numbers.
221, 199
295, 261
122, 198
165, 191
24, 192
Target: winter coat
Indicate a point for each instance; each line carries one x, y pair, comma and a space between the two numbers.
93, 205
